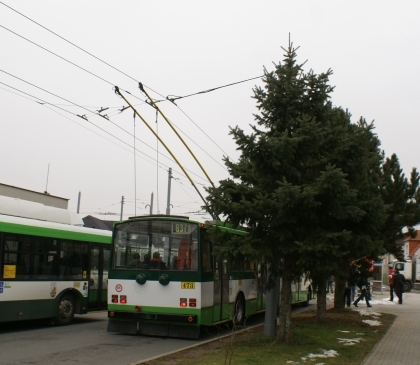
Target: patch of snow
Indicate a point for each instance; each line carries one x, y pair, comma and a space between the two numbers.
344, 331
372, 323
349, 341
326, 353
383, 301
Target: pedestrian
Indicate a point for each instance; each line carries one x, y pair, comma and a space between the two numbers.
399, 281
354, 274
391, 283
362, 283
330, 281
347, 294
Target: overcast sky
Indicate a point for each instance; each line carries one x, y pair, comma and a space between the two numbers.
180, 48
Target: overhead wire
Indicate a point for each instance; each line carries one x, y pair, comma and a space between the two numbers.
110, 83
67, 111
132, 78
75, 45
173, 99
27, 82
47, 105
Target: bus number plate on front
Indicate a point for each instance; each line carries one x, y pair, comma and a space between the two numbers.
187, 285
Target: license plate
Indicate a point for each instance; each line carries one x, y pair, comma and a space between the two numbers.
187, 285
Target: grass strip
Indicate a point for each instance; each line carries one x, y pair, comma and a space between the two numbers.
343, 332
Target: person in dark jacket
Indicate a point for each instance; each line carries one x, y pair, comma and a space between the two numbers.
362, 283
391, 283
399, 281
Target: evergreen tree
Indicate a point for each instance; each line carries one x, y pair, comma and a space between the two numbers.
291, 185
402, 198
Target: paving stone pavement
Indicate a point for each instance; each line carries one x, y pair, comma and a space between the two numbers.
401, 344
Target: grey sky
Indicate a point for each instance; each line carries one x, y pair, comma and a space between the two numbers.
178, 48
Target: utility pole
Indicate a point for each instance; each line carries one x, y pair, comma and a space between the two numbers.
78, 202
48, 175
122, 205
151, 204
168, 205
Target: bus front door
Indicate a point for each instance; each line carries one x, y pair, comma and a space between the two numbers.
221, 291
98, 277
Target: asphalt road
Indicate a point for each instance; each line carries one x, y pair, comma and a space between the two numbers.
86, 342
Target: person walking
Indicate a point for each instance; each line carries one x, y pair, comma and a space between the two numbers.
362, 283
354, 274
330, 281
391, 283
399, 281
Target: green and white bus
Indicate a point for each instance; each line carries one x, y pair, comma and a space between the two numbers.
164, 280
51, 270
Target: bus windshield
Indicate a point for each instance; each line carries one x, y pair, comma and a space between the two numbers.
156, 245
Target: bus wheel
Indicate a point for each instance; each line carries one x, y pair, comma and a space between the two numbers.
65, 312
239, 317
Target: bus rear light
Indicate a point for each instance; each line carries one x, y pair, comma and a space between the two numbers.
123, 299
137, 308
183, 302
114, 298
193, 302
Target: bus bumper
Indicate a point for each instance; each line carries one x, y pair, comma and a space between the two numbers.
183, 326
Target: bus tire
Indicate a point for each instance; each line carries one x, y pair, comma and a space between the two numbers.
65, 310
239, 316
408, 286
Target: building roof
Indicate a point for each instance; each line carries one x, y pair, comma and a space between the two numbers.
34, 192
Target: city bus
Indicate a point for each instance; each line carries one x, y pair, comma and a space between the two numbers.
51, 270
164, 280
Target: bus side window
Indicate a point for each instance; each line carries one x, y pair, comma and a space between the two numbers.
206, 247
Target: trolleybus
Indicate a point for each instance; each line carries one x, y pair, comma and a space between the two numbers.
51, 270
164, 280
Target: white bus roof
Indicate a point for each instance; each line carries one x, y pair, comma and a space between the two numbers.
52, 225
27, 209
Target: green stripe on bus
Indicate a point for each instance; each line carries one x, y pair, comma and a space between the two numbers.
53, 233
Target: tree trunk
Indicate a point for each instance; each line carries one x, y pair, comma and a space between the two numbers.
285, 326
340, 285
321, 301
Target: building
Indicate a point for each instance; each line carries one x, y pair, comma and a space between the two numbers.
34, 196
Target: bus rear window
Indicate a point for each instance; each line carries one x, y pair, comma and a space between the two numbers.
156, 245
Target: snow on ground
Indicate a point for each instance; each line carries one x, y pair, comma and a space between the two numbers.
372, 323
349, 341
326, 353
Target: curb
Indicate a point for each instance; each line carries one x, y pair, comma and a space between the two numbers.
192, 346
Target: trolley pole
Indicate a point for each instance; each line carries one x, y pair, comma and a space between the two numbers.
122, 205
168, 206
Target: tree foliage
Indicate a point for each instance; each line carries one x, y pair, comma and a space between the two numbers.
307, 185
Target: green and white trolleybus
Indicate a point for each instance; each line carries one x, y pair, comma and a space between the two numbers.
164, 280
51, 270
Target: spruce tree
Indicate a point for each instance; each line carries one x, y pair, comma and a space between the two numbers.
291, 185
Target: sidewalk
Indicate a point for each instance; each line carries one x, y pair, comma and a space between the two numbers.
400, 345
